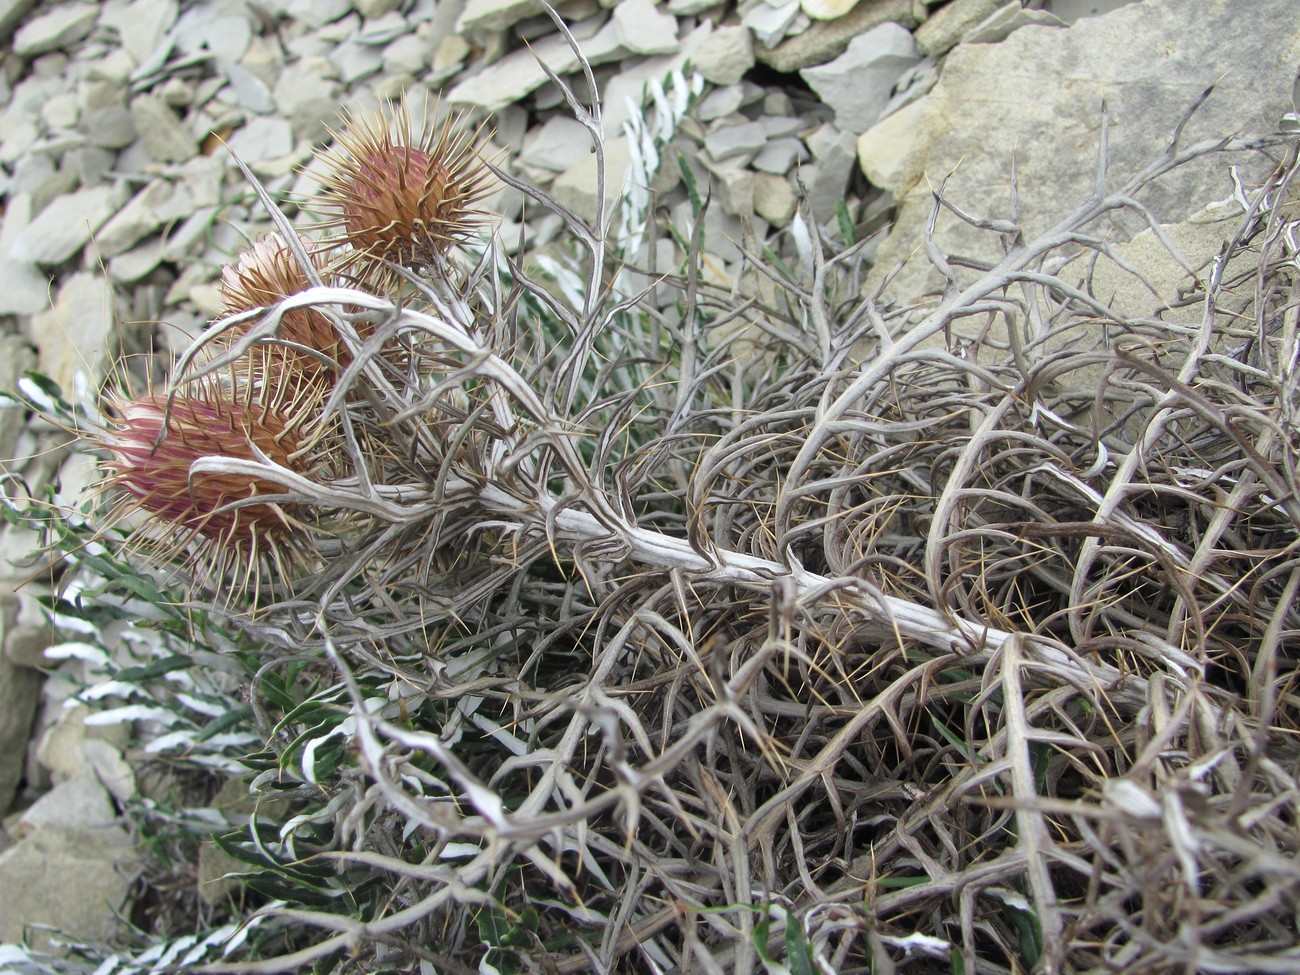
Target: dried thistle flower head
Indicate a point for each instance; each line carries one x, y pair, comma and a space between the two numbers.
401, 197
211, 518
268, 272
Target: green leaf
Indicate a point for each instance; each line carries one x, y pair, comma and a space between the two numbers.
157, 668
692, 186
845, 222
798, 953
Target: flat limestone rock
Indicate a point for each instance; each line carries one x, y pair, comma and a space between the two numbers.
1149, 61
71, 879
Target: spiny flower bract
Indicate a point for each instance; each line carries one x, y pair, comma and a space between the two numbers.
267, 273
397, 196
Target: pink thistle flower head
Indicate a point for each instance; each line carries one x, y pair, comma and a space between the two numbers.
153, 446
268, 272
401, 197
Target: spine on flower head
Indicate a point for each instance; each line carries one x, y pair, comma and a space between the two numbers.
393, 195
265, 274
214, 520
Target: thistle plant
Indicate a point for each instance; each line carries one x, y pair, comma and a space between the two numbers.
643, 636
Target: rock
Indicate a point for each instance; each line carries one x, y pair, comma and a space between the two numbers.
73, 880
449, 55
355, 60
1072, 10
780, 156
26, 288
720, 102
269, 137
1149, 68
834, 167
64, 227
250, 91
53, 31
408, 54
944, 30
576, 187
892, 152
770, 24
20, 694
1008, 19
136, 263
519, 74
141, 25
735, 190
490, 15
859, 83
735, 140
62, 749
1144, 281
318, 13
827, 9
73, 336
559, 144
12, 13
165, 137
828, 39
135, 221
79, 803
774, 199
644, 28
375, 8
16, 358
725, 55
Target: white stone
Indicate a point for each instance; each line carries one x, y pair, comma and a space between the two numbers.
62, 26
518, 74
73, 336
355, 60
644, 28
944, 30
827, 9
318, 13
834, 166
489, 15
559, 144
80, 802
1147, 66
375, 8
725, 55
63, 228
131, 266
1008, 19
250, 91
24, 289
774, 199
141, 24
735, 140
892, 152
261, 139
576, 187
135, 221
769, 23
409, 54
720, 102
779, 156
164, 136
73, 880
858, 84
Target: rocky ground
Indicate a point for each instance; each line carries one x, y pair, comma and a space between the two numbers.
122, 203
